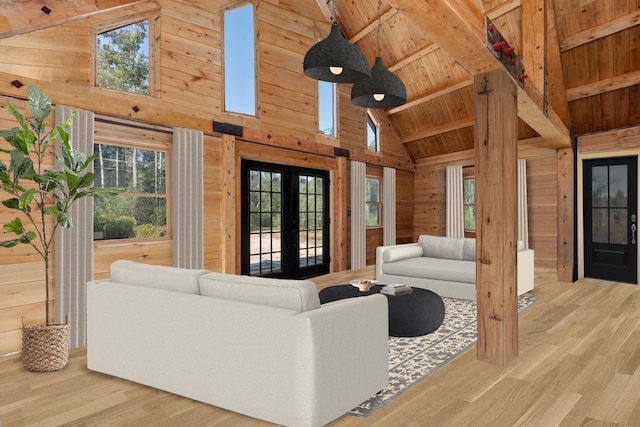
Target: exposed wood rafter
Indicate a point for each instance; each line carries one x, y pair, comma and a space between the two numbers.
601, 31
384, 17
602, 86
432, 95
437, 130
457, 27
503, 9
27, 15
432, 47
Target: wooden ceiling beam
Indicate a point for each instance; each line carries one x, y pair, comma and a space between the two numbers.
556, 88
373, 25
602, 86
600, 31
458, 27
24, 16
437, 130
432, 47
503, 9
432, 95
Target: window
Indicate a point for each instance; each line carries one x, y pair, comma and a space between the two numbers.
141, 210
122, 57
327, 108
373, 202
373, 134
469, 199
239, 61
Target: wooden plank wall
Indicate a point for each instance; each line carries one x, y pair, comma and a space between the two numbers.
430, 197
190, 95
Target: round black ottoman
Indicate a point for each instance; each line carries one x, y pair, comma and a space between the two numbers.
418, 313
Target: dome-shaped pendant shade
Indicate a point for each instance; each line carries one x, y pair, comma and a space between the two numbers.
383, 90
336, 60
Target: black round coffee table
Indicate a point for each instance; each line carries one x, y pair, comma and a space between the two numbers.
418, 313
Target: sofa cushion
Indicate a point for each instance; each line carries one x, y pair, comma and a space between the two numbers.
156, 276
469, 249
296, 295
441, 247
433, 268
401, 252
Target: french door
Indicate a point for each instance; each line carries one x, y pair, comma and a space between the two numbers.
285, 220
610, 219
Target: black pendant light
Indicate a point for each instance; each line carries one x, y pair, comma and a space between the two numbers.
336, 60
383, 89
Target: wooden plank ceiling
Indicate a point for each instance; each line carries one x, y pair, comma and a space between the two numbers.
591, 48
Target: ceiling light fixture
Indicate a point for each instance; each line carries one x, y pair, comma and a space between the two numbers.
383, 89
336, 60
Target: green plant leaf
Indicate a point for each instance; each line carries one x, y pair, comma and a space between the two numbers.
12, 203
24, 202
39, 103
17, 114
86, 180
24, 140
64, 220
9, 243
15, 226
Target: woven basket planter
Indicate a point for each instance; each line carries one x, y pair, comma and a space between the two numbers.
45, 348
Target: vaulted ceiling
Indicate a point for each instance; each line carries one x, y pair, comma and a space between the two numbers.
581, 58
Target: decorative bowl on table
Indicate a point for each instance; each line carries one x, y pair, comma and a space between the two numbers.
363, 284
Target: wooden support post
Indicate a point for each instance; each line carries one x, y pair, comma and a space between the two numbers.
496, 124
566, 215
230, 257
340, 221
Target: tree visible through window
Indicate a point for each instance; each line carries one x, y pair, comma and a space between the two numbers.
122, 58
373, 202
141, 210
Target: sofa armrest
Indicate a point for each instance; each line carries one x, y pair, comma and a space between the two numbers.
349, 353
525, 272
380, 250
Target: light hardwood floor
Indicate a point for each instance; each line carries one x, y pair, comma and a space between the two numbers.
578, 366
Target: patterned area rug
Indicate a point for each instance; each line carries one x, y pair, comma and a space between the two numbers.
412, 359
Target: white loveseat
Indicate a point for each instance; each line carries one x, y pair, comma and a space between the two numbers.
265, 348
443, 265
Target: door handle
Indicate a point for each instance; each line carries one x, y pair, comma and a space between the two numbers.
633, 234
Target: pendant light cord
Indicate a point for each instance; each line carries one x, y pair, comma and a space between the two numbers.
379, 24
335, 15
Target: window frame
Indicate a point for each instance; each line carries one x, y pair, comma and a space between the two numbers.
334, 111
156, 144
256, 92
379, 203
153, 18
371, 122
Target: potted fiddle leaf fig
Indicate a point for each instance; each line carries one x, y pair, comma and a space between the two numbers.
42, 198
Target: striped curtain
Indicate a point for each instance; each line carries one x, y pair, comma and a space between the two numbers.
455, 202
358, 228
523, 217
74, 246
188, 199
389, 206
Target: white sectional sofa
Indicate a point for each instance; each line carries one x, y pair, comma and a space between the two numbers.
265, 348
443, 265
